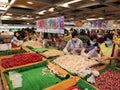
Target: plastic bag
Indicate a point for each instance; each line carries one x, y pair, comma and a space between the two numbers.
91, 79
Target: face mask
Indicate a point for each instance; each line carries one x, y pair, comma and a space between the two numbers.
108, 42
100, 36
92, 43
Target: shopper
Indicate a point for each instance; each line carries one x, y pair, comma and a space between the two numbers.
45, 39
1, 40
100, 36
91, 48
32, 34
108, 48
83, 36
74, 45
16, 39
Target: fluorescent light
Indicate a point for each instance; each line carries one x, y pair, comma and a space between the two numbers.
9, 14
5, 4
92, 0
42, 12
51, 9
91, 19
30, 2
67, 3
101, 18
5, 17
26, 18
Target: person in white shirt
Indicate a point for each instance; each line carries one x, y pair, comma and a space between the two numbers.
74, 45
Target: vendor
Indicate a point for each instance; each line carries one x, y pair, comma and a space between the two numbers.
108, 48
74, 45
91, 48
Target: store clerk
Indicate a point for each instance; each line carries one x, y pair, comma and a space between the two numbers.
74, 45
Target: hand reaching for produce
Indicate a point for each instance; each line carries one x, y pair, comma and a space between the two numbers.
75, 49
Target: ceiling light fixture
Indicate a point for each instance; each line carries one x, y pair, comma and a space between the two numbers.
30, 2
51, 9
5, 17
101, 18
42, 12
9, 14
93, 0
67, 3
5, 4
92, 19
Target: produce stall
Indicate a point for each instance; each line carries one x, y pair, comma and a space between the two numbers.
74, 63
16, 60
36, 77
34, 44
108, 78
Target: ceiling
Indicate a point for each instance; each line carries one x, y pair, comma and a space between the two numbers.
32, 10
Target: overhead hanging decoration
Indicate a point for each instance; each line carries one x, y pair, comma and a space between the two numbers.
51, 25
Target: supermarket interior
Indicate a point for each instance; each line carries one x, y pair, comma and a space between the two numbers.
60, 44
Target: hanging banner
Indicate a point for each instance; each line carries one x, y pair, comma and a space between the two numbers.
51, 25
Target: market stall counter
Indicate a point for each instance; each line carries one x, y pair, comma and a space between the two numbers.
35, 77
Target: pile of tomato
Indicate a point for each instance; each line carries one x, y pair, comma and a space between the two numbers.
21, 59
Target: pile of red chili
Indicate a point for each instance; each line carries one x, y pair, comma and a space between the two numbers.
109, 80
21, 59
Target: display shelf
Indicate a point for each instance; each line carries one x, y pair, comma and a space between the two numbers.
41, 81
5, 57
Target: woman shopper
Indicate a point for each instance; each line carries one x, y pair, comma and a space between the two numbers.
74, 45
91, 48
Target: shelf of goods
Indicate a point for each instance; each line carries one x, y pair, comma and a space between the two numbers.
74, 63
52, 53
82, 85
9, 53
31, 43
109, 79
19, 60
44, 75
7, 38
47, 52
38, 50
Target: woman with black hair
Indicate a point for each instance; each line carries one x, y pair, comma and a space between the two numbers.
74, 45
91, 48
16, 39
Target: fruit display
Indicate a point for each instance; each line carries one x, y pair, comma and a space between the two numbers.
34, 44
74, 63
10, 52
108, 80
52, 53
21, 59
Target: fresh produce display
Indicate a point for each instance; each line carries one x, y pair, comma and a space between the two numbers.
108, 80
10, 52
4, 47
74, 63
21, 59
34, 77
34, 44
52, 53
